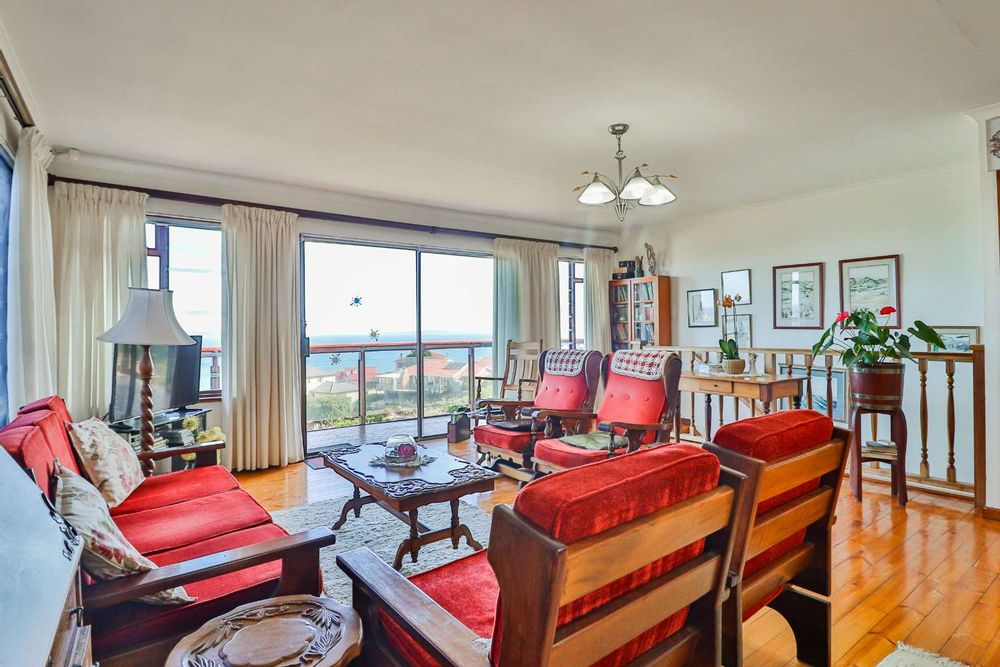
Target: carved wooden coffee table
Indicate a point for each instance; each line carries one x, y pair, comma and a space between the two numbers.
289, 630
401, 491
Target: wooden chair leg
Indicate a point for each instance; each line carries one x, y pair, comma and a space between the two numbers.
898, 426
732, 628
810, 619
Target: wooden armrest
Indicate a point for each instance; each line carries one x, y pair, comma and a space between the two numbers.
167, 452
625, 426
563, 414
116, 591
438, 632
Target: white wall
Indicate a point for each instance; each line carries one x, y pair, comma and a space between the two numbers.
932, 219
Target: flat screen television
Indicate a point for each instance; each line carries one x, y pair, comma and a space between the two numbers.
175, 384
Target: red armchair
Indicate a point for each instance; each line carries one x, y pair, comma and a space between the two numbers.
795, 464
568, 380
201, 529
641, 405
567, 580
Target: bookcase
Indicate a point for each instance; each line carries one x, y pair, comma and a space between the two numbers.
640, 312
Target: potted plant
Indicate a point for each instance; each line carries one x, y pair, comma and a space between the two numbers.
732, 364
873, 355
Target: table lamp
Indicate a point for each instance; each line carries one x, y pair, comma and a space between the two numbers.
148, 320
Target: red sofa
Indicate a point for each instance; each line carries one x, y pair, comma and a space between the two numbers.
199, 526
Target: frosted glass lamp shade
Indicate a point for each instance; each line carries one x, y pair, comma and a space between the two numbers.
637, 187
148, 320
661, 195
596, 193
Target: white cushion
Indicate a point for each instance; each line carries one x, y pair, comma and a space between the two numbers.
109, 461
106, 552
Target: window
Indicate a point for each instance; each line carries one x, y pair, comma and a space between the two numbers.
187, 259
6, 175
571, 308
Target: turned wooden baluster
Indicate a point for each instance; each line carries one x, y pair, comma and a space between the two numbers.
693, 430
828, 362
722, 407
925, 469
736, 408
789, 362
949, 369
809, 381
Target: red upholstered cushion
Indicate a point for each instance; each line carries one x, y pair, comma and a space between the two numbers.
122, 626
515, 441
768, 438
54, 430
554, 450
174, 526
467, 588
53, 403
177, 487
581, 502
28, 448
562, 392
633, 400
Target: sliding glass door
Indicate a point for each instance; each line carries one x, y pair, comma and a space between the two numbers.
393, 338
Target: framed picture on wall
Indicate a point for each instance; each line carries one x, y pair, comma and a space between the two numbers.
737, 282
703, 307
739, 328
871, 283
956, 339
798, 296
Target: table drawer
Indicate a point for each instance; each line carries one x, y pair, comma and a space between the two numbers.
715, 387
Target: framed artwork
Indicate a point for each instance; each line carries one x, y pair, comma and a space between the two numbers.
703, 308
737, 282
739, 328
838, 386
872, 283
798, 296
956, 339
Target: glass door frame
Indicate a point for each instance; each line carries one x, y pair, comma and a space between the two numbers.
419, 346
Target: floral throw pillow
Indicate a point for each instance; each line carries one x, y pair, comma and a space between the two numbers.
106, 552
110, 462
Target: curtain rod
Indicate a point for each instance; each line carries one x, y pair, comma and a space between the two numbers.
325, 215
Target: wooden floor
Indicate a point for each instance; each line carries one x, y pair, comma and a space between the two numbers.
928, 575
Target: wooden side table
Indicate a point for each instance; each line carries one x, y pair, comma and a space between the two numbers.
897, 465
289, 630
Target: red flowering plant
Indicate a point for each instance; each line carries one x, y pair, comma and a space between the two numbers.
863, 341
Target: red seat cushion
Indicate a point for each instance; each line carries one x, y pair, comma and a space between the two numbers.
52, 403
28, 448
554, 450
515, 441
177, 487
122, 626
53, 428
575, 504
467, 588
768, 438
159, 529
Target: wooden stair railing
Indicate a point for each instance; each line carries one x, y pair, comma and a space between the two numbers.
818, 386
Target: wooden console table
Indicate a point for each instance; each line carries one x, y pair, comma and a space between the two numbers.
764, 388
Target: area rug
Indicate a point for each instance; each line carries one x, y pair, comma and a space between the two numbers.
911, 656
381, 532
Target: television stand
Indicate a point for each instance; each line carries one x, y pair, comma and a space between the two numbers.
166, 420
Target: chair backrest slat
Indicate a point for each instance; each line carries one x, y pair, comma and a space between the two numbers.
776, 573
599, 560
781, 522
591, 637
794, 470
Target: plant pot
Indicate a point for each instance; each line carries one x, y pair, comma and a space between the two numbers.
878, 387
733, 366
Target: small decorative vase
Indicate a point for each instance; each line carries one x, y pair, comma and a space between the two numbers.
733, 366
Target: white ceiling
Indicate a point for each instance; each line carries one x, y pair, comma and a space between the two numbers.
497, 106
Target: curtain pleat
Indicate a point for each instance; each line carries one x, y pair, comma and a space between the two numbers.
261, 362
597, 267
31, 301
525, 294
99, 240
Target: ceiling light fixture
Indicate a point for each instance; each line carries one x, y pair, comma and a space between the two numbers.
647, 190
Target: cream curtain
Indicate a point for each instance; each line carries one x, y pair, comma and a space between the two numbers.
99, 237
597, 267
525, 294
31, 301
261, 364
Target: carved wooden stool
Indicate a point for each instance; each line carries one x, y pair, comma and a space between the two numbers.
289, 630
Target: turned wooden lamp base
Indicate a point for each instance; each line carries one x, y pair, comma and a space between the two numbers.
146, 408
